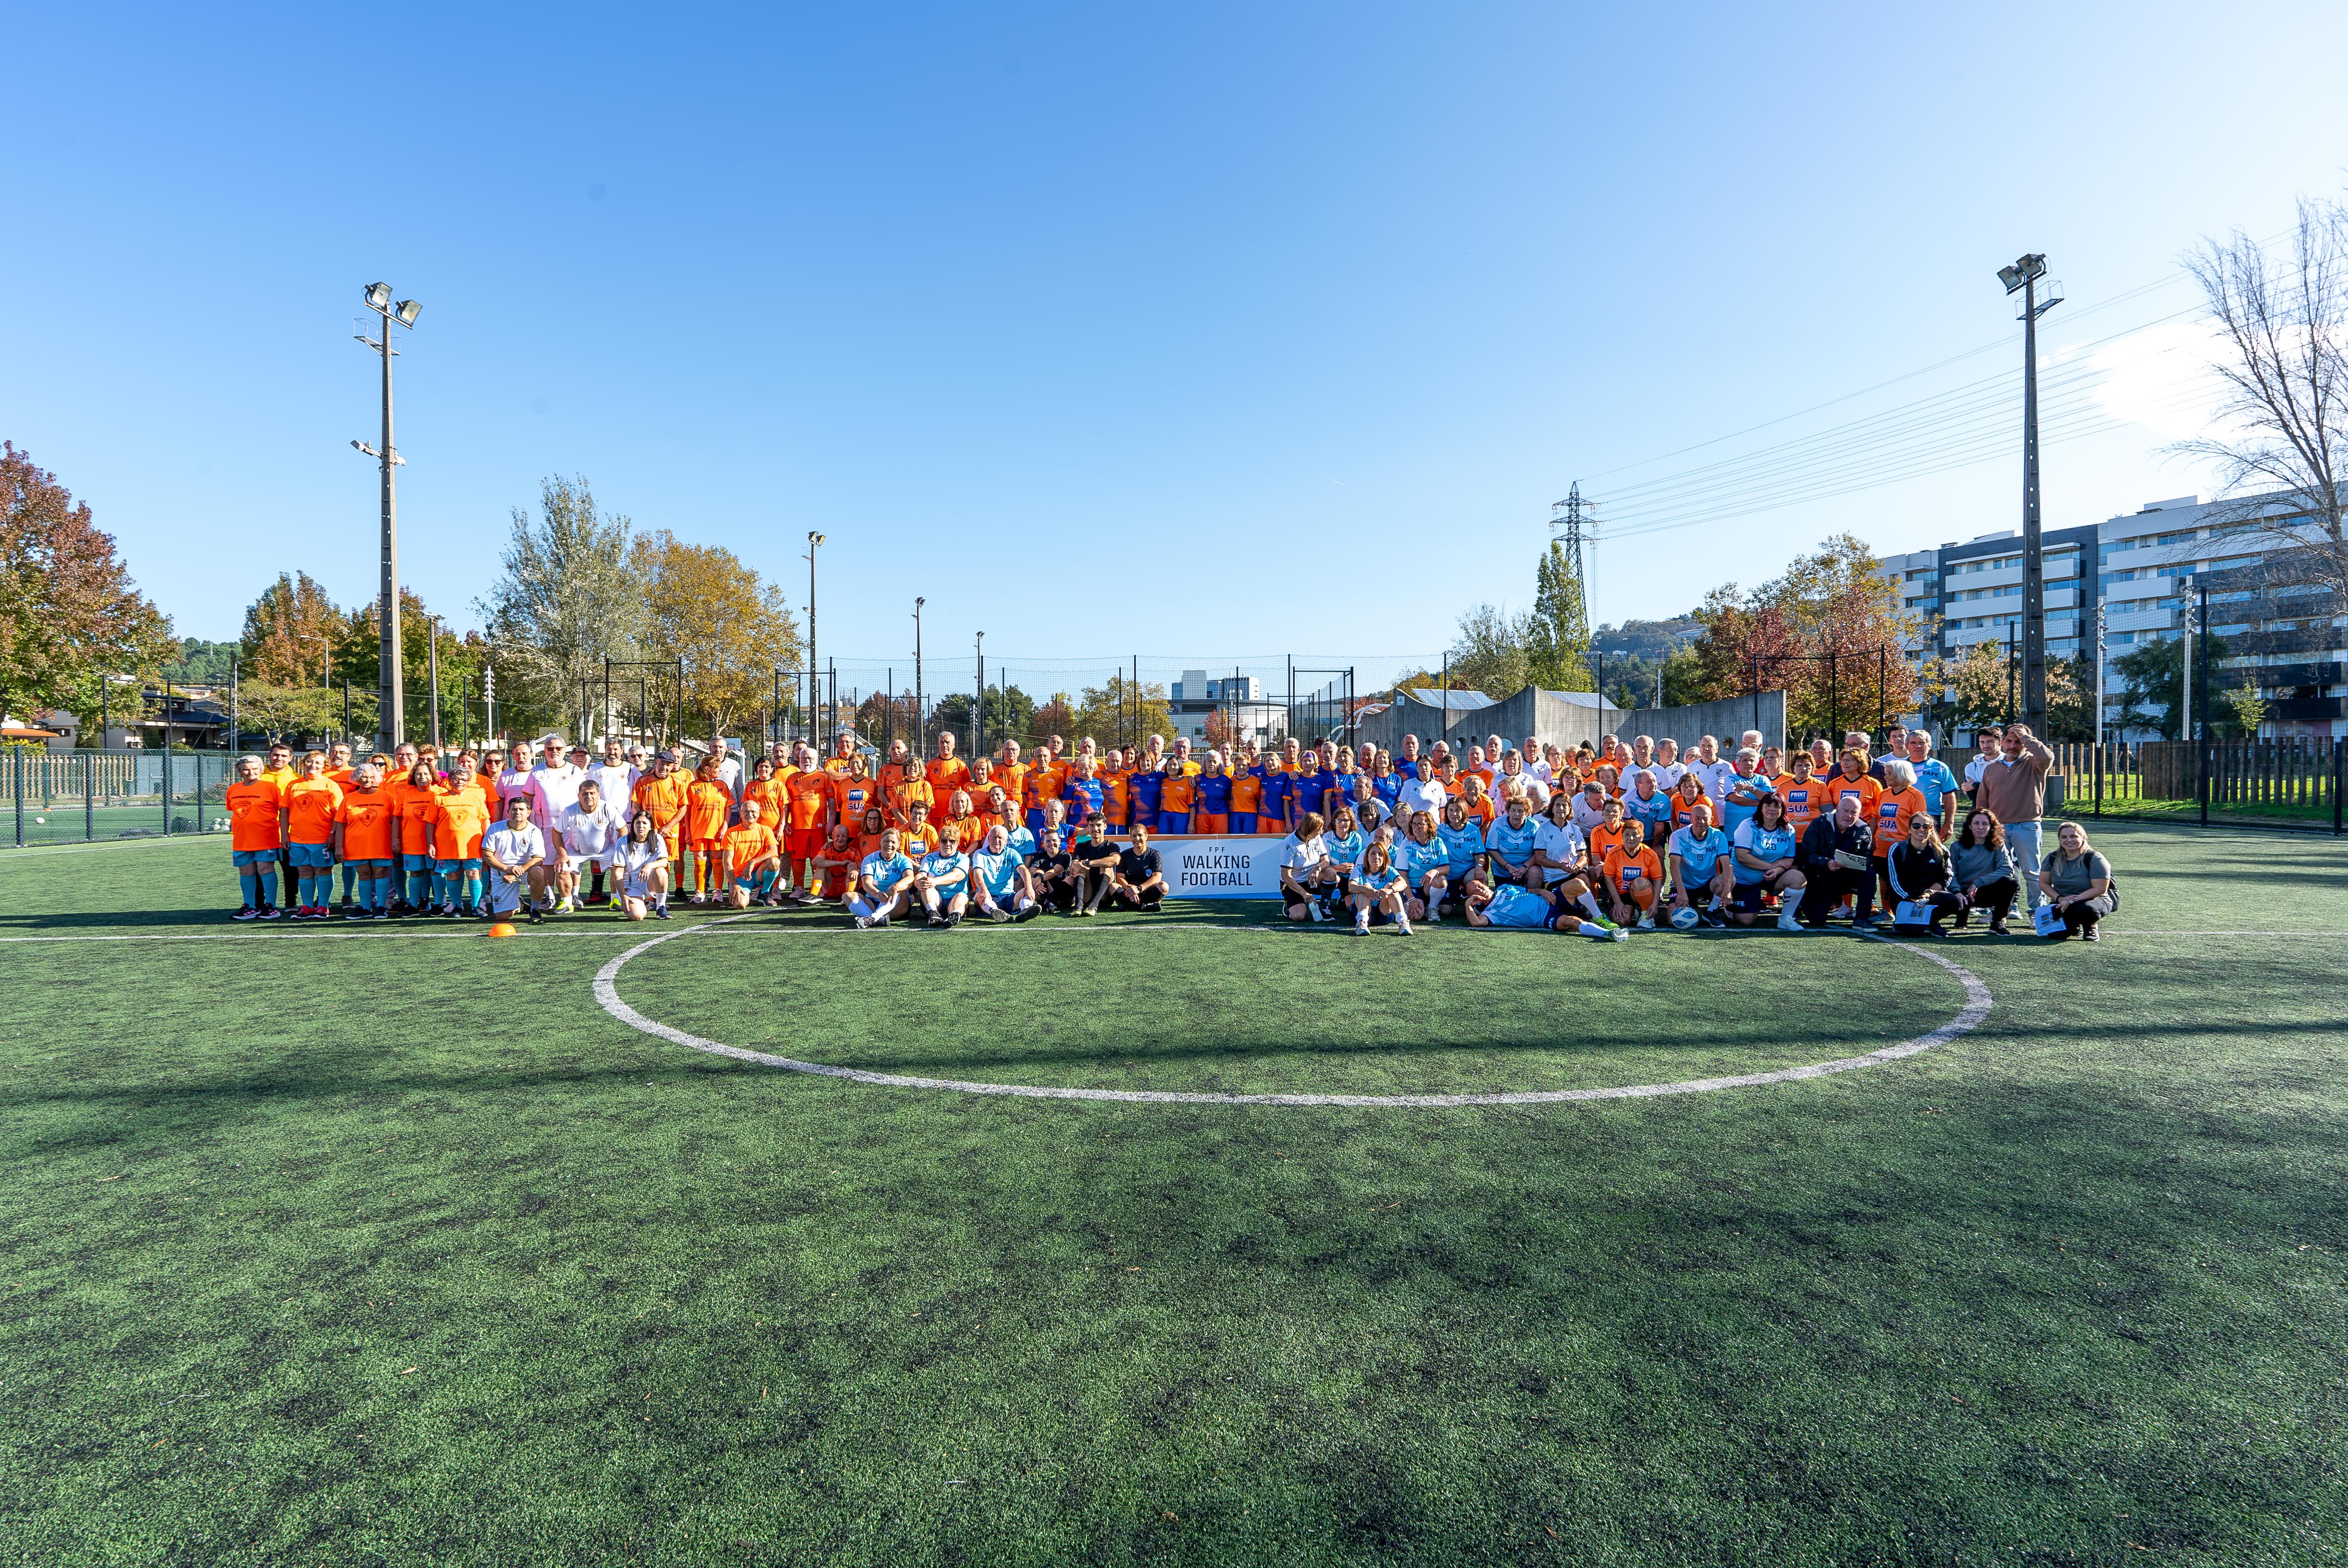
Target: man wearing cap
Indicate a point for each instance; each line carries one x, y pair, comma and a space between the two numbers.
662, 793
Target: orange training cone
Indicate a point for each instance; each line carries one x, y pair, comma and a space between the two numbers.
502, 929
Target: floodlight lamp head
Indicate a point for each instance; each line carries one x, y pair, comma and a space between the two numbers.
378, 295
814, 538
2010, 277
408, 311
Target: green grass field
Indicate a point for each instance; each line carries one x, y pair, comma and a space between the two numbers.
394, 1247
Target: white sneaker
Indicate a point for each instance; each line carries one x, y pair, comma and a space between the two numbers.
1361, 925
1402, 923
1616, 933
1786, 921
1646, 922
566, 907
864, 922
1319, 914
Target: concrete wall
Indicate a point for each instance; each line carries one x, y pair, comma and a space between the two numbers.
1544, 713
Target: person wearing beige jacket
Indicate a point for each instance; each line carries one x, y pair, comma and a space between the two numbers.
2014, 788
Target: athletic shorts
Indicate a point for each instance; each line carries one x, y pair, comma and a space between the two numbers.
312, 856
414, 863
584, 865
705, 845
1272, 826
1173, 822
1214, 822
246, 858
804, 843
756, 882
835, 881
368, 870
1243, 824
1746, 897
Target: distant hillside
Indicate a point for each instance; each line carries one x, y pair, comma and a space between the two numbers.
1648, 639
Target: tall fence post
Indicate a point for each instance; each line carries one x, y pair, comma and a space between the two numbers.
89, 798
2339, 750
165, 789
16, 768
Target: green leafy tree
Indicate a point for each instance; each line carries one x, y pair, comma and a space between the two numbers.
1557, 633
292, 633
68, 612
578, 586
1488, 654
1108, 714
2154, 673
2249, 708
1009, 711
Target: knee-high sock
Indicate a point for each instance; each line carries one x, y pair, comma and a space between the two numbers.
350, 876
268, 884
472, 889
444, 891
249, 881
1591, 904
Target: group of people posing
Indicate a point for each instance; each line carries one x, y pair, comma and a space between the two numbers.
1597, 840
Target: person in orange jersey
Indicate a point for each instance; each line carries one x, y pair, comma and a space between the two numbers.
459, 815
308, 820
752, 861
947, 773
366, 829
708, 803
411, 793
255, 835
808, 796
663, 794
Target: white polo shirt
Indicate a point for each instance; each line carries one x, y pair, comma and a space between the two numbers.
1425, 795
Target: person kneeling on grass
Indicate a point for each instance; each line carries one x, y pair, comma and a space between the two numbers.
1141, 875
516, 858
1701, 866
753, 859
586, 836
1633, 876
1378, 888
1000, 881
1094, 858
2077, 882
640, 870
884, 884
1984, 871
943, 880
1306, 877
1764, 863
1509, 907
1918, 872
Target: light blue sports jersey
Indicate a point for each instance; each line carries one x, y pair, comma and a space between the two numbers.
1018, 841
1461, 845
1512, 844
1518, 906
998, 874
1734, 813
885, 870
1378, 881
1701, 853
1654, 813
1345, 850
1417, 859
940, 866
1768, 844
1935, 782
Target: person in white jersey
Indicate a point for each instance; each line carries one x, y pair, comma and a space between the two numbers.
515, 857
614, 775
588, 835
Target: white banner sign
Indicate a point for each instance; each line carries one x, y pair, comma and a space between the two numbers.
1222, 867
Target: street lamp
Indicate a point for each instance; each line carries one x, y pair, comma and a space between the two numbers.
814, 539
2023, 278
920, 730
978, 714
390, 715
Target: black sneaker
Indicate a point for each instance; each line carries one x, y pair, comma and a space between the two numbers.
384, 914
247, 913
353, 912
269, 912
536, 915
1027, 915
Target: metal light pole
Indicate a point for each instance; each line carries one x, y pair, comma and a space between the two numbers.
432, 658
2099, 675
978, 714
2024, 276
814, 684
391, 718
921, 725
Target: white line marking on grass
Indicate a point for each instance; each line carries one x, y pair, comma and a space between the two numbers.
1976, 1008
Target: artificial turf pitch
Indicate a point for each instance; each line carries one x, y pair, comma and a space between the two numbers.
394, 1247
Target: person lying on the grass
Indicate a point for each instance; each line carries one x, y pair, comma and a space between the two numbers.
884, 884
515, 855
1000, 882
943, 880
1509, 906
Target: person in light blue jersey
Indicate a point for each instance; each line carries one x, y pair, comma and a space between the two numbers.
1421, 858
884, 884
1511, 842
1747, 786
1344, 841
1379, 889
1934, 780
943, 880
1765, 865
1649, 804
1463, 849
999, 879
1509, 907
1701, 860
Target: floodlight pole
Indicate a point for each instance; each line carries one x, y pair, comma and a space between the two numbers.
391, 718
2024, 276
920, 730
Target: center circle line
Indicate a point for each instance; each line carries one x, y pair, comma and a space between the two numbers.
1977, 1005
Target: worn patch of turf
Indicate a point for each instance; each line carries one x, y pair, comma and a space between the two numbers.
2068, 1287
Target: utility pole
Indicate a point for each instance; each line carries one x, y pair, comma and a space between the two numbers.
2099, 675
2024, 276
390, 717
814, 684
432, 659
978, 714
920, 727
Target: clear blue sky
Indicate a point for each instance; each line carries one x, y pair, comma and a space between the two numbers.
1223, 331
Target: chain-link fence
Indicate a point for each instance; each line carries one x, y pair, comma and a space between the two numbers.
77, 797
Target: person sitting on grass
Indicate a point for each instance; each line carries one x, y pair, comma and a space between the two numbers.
640, 870
1765, 865
515, 855
1511, 907
831, 869
2078, 881
943, 880
1917, 873
1000, 882
1838, 859
1702, 866
1378, 888
1095, 854
884, 884
1306, 877
1510, 844
1983, 870
1058, 878
1633, 875
753, 861
1141, 875
1421, 857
